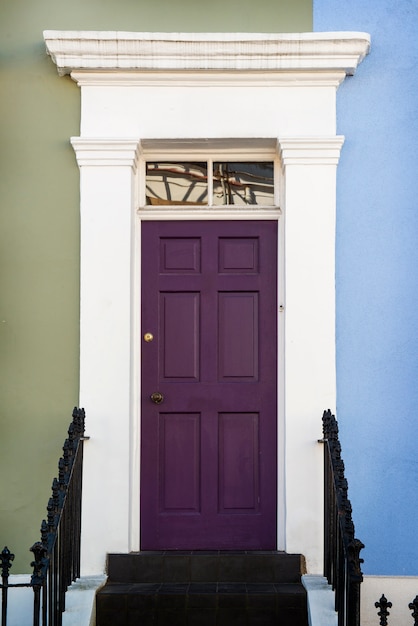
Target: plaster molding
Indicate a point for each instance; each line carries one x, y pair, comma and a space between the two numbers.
209, 78
243, 52
310, 151
102, 152
179, 213
235, 147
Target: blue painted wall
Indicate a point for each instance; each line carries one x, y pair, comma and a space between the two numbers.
377, 279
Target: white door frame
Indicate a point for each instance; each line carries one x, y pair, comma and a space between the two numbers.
198, 150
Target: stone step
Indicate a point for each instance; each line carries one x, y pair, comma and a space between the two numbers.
199, 566
203, 589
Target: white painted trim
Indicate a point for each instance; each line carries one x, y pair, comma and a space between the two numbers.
205, 51
310, 150
134, 530
106, 151
189, 213
276, 99
210, 78
281, 383
262, 148
87, 78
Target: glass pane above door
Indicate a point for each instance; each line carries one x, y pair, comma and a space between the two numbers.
243, 183
176, 183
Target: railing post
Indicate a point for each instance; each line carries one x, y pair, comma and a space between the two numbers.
355, 578
38, 579
6, 558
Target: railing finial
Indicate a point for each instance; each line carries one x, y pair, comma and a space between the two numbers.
39, 563
329, 426
383, 605
6, 558
354, 561
414, 608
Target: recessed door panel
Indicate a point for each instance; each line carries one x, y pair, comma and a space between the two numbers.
239, 456
180, 255
180, 335
238, 255
179, 481
238, 336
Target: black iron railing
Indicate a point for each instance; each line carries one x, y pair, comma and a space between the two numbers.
341, 549
56, 557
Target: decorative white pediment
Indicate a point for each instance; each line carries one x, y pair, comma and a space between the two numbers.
260, 52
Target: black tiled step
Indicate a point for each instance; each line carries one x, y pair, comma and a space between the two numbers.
203, 589
197, 566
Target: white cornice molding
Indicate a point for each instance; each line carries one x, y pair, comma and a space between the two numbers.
242, 52
310, 150
126, 151
111, 152
208, 78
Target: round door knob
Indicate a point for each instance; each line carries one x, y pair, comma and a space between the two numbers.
157, 397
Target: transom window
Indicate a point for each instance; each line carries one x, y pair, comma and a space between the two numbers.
210, 183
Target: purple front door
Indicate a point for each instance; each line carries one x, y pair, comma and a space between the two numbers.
208, 449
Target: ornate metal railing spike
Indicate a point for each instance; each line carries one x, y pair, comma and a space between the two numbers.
349, 530
72, 432
55, 492
79, 417
414, 608
354, 548
383, 613
44, 532
67, 453
6, 559
61, 472
330, 426
39, 564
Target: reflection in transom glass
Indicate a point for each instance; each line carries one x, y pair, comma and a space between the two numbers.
243, 183
177, 183
220, 183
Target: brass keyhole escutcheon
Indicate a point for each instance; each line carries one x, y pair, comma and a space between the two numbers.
148, 337
157, 397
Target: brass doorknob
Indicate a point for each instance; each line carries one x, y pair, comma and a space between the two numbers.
157, 397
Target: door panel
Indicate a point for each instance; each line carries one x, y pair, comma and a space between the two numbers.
179, 332
179, 482
238, 462
238, 336
208, 451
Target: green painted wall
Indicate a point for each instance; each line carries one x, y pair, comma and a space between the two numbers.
39, 225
